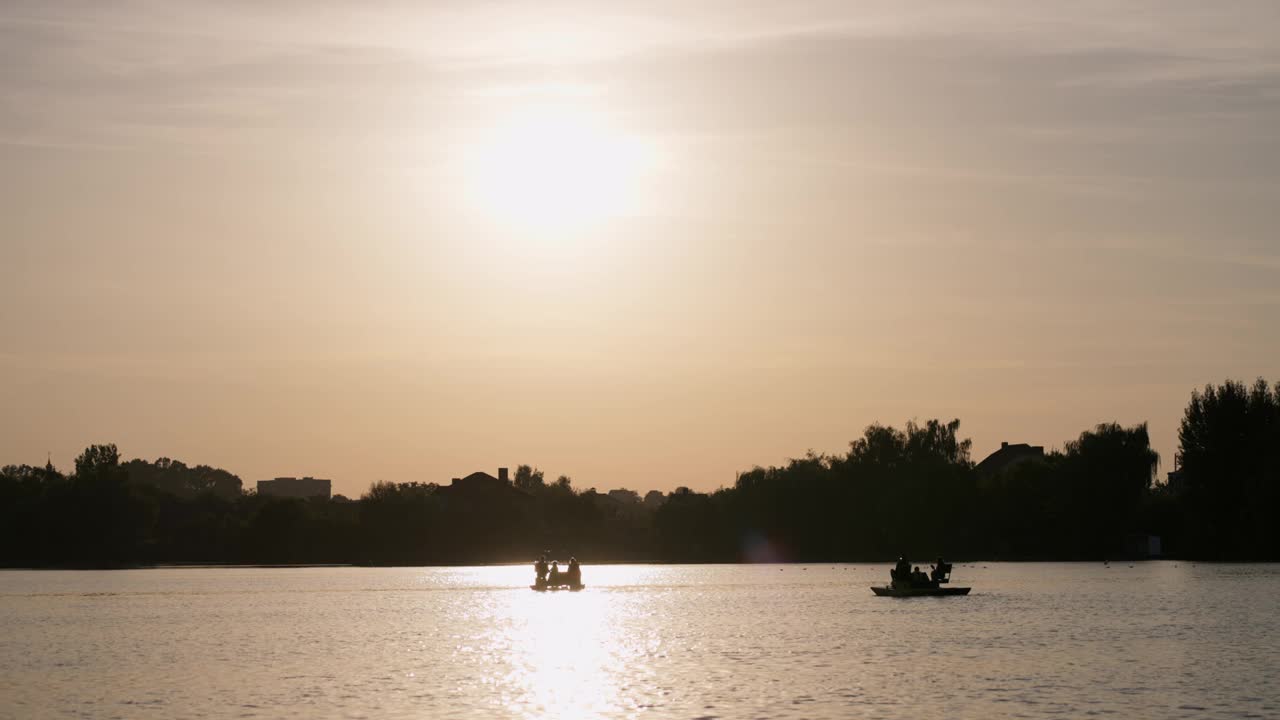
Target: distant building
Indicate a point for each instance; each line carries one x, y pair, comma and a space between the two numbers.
1008, 456
296, 487
482, 484
623, 503
625, 496
481, 480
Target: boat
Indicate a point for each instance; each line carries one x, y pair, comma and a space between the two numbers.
890, 591
906, 584
554, 588
554, 579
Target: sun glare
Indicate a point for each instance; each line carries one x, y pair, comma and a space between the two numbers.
555, 170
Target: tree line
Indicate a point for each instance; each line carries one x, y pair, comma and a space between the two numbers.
913, 490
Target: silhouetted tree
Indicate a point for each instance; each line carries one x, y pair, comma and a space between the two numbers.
1229, 460
689, 528
1022, 511
1107, 471
99, 464
912, 490
33, 501
529, 478
398, 522
176, 478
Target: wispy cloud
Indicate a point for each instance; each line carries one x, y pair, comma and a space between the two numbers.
84, 67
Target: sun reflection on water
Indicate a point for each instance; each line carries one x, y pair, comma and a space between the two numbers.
560, 653
563, 654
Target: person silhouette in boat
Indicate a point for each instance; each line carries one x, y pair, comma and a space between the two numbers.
901, 573
940, 571
575, 572
540, 568
918, 578
554, 577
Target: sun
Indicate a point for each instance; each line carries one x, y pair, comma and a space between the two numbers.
553, 170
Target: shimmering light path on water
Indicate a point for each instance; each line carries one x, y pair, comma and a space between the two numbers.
1155, 640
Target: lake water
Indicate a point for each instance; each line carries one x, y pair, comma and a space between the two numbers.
1155, 640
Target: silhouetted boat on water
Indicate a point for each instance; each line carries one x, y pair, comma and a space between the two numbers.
916, 584
890, 591
546, 587
551, 579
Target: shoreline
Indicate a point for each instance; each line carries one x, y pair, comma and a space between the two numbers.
286, 566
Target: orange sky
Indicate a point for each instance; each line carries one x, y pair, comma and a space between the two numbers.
643, 248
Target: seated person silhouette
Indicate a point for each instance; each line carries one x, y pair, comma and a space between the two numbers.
574, 576
901, 573
918, 578
554, 577
540, 569
940, 572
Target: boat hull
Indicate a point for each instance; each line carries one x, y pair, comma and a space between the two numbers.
556, 588
886, 591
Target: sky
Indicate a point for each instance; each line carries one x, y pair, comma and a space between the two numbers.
644, 245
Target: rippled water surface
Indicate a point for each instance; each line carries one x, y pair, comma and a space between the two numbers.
1152, 640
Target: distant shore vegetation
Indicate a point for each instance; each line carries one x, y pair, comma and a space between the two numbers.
912, 490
